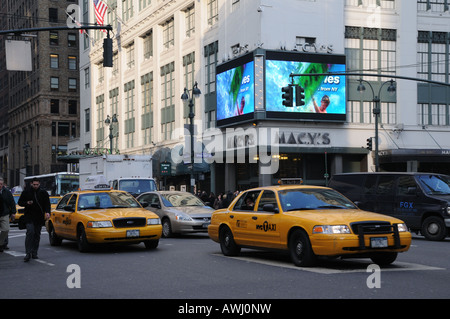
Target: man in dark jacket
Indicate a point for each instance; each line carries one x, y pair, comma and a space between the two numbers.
37, 209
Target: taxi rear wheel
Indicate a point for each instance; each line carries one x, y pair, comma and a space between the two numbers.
227, 243
300, 249
83, 244
53, 238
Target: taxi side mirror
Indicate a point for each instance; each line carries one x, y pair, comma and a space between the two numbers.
270, 208
144, 204
69, 208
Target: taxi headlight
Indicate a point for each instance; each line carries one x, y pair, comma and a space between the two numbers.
99, 224
183, 217
153, 221
331, 229
402, 228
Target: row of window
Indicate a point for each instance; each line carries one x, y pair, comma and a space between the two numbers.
72, 84
373, 50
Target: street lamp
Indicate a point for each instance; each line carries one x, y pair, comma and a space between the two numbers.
26, 146
376, 110
185, 97
109, 121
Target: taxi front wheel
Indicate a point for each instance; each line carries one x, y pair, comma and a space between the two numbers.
300, 249
83, 244
227, 243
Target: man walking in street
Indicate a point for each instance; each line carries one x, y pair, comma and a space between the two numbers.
7, 211
37, 209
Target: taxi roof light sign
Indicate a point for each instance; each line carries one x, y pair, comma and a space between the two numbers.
96, 182
290, 181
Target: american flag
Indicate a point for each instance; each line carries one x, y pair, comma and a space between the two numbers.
100, 10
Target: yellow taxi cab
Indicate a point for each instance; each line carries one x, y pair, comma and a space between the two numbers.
102, 216
307, 221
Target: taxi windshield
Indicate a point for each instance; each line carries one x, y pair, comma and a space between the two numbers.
106, 200
177, 200
435, 184
312, 199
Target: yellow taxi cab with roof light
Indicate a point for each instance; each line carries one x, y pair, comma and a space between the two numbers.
100, 215
307, 221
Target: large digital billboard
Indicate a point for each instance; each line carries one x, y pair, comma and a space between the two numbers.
325, 96
235, 90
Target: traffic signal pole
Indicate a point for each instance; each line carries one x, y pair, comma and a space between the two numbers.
107, 43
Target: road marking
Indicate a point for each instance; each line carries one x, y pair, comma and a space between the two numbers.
21, 254
336, 267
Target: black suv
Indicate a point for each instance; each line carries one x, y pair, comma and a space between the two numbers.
421, 200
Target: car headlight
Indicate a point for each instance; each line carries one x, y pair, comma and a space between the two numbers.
99, 224
331, 229
183, 217
402, 228
153, 221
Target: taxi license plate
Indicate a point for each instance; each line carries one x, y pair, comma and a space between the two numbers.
133, 233
378, 242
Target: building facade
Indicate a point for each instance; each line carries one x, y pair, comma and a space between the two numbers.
162, 47
43, 103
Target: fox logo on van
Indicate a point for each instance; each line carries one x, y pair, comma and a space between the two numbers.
407, 205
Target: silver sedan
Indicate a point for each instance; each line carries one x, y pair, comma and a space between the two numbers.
180, 212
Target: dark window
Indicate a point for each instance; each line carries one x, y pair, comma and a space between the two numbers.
73, 107
386, 185
406, 183
54, 106
63, 129
52, 14
370, 184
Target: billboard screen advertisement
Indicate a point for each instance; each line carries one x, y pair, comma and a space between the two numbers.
235, 90
325, 96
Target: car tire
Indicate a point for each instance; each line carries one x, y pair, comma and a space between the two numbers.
300, 249
54, 239
83, 244
433, 228
384, 259
151, 244
227, 243
166, 228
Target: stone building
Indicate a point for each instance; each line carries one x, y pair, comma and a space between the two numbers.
44, 103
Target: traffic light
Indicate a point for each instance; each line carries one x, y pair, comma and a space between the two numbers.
369, 144
288, 92
107, 52
299, 96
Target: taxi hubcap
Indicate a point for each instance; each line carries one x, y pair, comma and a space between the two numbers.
299, 248
227, 240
